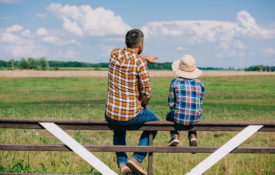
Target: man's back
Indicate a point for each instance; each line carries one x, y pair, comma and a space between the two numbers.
127, 79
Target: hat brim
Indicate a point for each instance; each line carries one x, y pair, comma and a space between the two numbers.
194, 74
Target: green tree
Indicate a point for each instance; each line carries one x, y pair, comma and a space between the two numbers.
11, 63
33, 63
23, 64
43, 63
259, 68
3, 64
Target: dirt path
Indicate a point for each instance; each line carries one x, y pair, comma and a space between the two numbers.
33, 73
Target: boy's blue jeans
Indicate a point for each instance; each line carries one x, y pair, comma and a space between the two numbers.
145, 115
170, 117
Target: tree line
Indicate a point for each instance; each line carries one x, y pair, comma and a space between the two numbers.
30, 63
261, 68
43, 64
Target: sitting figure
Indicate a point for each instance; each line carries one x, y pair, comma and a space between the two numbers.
129, 91
185, 97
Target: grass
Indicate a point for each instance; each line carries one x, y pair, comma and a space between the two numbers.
236, 98
77, 68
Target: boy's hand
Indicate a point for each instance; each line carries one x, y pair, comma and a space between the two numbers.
150, 59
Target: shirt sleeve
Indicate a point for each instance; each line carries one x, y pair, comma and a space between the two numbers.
145, 86
171, 96
202, 92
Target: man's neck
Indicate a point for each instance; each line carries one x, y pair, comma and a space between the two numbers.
135, 50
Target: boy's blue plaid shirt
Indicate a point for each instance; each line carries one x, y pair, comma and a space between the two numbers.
185, 99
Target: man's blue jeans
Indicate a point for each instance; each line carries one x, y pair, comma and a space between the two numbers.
145, 115
170, 117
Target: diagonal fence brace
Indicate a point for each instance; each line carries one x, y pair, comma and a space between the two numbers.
78, 148
225, 149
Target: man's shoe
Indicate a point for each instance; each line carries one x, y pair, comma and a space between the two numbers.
136, 166
193, 140
124, 169
174, 141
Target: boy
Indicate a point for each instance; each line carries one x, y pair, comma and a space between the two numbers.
185, 97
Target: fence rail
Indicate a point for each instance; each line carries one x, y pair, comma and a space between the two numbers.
155, 149
268, 126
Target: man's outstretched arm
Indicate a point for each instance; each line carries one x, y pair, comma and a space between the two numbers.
150, 59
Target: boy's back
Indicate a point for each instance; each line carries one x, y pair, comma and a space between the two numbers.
185, 98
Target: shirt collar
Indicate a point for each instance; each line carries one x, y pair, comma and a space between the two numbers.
129, 50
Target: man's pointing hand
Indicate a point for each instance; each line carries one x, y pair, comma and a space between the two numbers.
150, 59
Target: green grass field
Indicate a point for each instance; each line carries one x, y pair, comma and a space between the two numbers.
236, 98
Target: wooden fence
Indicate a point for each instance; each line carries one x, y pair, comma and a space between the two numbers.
269, 126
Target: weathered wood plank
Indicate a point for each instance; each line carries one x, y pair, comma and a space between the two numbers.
155, 149
269, 126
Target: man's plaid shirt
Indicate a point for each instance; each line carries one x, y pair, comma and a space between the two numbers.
128, 78
185, 98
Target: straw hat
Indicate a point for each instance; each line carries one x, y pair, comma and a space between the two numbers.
186, 67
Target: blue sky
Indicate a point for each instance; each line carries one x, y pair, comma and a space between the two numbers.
236, 33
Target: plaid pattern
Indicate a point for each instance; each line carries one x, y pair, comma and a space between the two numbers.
185, 98
128, 78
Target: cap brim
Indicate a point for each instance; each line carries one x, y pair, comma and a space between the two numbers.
194, 74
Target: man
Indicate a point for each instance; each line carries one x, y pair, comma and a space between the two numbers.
129, 91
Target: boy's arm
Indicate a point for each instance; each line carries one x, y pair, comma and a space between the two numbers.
202, 92
171, 97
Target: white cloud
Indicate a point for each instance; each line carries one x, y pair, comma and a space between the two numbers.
26, 33
42, 31
72, 27
14, 28
235, 44
239, 45
18, 44
21, 47
73, 42
248, 26
15, 41
210, 31
50, 39
268, 51
196, 30
231, 53
105, 50
227, 36
8, 37
180, 48
47, 37
86, 21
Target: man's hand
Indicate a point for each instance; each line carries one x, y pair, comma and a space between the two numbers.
144, 101
150, 59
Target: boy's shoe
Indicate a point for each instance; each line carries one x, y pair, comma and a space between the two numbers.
136, 166
124, 169
193, 140
174, 141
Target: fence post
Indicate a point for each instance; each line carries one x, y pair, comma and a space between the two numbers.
150, 156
